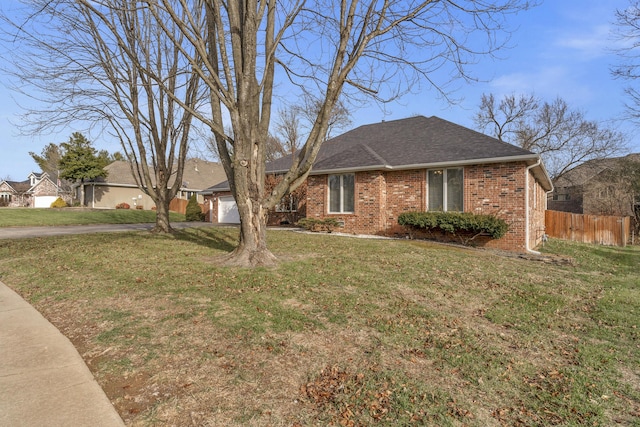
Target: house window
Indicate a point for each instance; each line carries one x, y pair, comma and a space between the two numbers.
341, 193
288, 203
606, 192
445, 188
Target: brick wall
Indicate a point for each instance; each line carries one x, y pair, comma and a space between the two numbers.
406, 191
537, 210
497, 189
371, 199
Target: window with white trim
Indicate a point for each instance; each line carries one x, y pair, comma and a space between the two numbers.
288, 203
445, 190
341, 193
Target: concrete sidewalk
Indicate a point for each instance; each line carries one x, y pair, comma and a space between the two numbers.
43, 379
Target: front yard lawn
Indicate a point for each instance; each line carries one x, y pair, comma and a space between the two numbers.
24, 217
344, 331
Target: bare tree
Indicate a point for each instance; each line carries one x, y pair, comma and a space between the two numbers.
107, 64
294, 121
323, 49
562, 136
628, 34
339, 117
616, 191
288, 128
244, 50
275, 148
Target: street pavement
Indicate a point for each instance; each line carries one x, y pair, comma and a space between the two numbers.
30, 232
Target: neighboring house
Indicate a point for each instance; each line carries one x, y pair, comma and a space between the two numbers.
119, 186
596, 187
13, 193
38, 191
368, 176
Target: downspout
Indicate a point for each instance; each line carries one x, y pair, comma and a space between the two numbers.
526, 206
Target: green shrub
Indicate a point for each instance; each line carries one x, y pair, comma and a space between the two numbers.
59, 203
194, 211
314, 224
456, 223
123, 205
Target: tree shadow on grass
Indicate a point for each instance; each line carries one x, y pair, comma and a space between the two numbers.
224, 240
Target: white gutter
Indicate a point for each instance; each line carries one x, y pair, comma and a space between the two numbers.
453, 163
484, 161
526, 207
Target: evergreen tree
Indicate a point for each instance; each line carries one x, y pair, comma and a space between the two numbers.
107, 158
80, 161
48, 161
193, 211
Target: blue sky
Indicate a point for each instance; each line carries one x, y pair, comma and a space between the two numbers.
560, 48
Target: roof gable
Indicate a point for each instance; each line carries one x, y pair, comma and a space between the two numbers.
5, 186
18, 186
44, 181
412, 143
407, 143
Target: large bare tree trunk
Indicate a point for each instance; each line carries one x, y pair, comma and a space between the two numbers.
141, 64
252, 248
163, 225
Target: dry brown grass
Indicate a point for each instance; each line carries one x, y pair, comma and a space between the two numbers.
343, 332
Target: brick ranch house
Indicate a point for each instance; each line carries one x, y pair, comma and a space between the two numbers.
368, 176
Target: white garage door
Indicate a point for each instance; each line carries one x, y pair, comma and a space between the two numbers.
43, 201
228, 210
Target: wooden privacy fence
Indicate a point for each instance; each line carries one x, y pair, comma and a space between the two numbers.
598, 229
180, 206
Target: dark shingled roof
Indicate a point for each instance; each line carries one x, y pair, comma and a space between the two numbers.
20, 186
399, 144
415, 142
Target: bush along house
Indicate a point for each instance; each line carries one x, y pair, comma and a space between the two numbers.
364, 179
